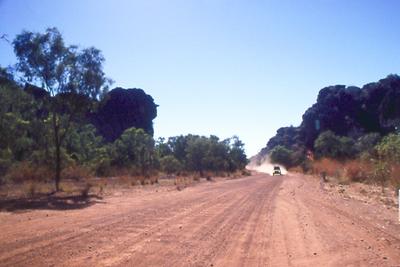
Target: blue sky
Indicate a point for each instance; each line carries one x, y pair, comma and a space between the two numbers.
224, 67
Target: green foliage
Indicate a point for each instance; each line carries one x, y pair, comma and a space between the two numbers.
135, 148
362, 114
45, 125
162, 149
281, 155
367, 143
178, 145
197, 156
332, 146
237, 155
69, 75
44, 59
169, 164
201, 153
83, 144
389, 148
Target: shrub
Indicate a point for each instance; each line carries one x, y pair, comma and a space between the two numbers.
366, 143
389, 148
332, 146
169, 164
281, 155
135, 148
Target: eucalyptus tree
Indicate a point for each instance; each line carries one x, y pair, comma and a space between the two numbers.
73, 78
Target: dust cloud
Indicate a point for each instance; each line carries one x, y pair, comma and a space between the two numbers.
264, 165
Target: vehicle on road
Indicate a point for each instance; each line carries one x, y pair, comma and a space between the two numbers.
277, 171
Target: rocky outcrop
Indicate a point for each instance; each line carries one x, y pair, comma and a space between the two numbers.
123, 109
346, 111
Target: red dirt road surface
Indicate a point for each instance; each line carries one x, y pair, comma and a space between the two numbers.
255, 221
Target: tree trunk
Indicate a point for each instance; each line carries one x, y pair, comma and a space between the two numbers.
57, 144
58, 168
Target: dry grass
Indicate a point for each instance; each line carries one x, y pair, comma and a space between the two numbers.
395, 177
75, 172
331, 167
346, 172
357, 171
25, 171
296, 169
28, 181
246, 172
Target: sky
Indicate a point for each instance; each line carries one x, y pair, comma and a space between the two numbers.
223, 67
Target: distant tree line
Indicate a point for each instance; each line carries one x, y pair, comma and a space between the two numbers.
57, 113
199, 153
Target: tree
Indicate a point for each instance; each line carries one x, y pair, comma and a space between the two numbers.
135, 148
237, 156
162, 148
72, 77
178, 145
170, 164
201, 153
281, 155
196, 156
16, 114
83, 144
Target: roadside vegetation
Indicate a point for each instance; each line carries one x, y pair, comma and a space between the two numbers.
60, 122
350, 133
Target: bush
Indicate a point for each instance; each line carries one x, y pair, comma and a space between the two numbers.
281, 155
389, 148
332, 146
366, 143
135, 148
169, 164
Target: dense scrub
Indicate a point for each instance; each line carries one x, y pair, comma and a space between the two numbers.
58, 119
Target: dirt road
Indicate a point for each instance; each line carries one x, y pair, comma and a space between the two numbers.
255, 221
